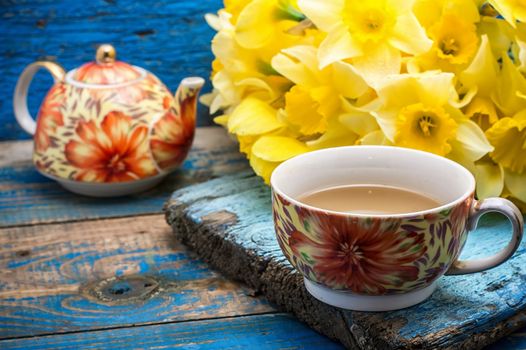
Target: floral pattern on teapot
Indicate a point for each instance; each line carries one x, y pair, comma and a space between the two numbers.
113, 123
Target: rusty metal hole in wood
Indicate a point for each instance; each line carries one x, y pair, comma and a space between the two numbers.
123, 290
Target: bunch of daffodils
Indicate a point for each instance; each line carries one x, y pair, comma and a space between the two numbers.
443, 76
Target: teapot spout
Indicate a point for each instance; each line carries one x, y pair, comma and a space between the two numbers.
186, 97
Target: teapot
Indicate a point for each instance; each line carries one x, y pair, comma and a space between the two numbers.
108, 128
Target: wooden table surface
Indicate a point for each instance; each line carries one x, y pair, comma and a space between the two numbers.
78, 272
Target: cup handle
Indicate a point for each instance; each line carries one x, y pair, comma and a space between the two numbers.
498, 205
22, 115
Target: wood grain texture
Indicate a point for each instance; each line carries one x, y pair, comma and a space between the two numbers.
26, 197
250, 332
169, 38
235, 234
108, 273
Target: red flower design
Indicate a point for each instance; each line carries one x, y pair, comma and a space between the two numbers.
362, 257
115, 152
173, 134
49, 117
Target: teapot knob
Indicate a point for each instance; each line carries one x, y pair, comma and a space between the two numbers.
105, 54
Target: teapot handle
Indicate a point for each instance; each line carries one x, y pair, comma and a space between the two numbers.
22, 115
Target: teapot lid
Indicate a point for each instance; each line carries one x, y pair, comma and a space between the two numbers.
106, 70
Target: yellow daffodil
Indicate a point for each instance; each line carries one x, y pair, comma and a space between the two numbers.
511, 10
337, 135
261, 20
508, 136
455, 40
310, 110
372, 33
482, 111
479, 78
269, 151
245, 72
489, 179
315, 98
416, 112
358, 121
234, 7
253, 117
510, 89
429, 12
520, 39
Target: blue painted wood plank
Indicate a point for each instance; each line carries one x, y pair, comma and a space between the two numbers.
466, 311
251, 332
28, 197
169, 38
90, 275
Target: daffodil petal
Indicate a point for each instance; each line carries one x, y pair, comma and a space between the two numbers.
259, 88
253, 117
262, 168
490, 180
295, 68
347, 80
361, 123
510, 82
223, 83
252, 27
324, 14
482, 72
336, 46
221, 120
337, 135
306, 54
409, 36
516, 184
213, 21
473, 140
521, 43
379, 62
459, 155
375, 138
277, 148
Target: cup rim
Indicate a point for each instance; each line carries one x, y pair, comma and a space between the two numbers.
468, 193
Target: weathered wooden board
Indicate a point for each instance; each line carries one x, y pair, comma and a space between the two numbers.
228, 222
112, 273
169, 38
252, 332
26, 197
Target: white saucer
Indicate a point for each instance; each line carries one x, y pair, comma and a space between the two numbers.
114, 189
356, 302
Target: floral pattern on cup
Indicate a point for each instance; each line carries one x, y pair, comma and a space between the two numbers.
370, 255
